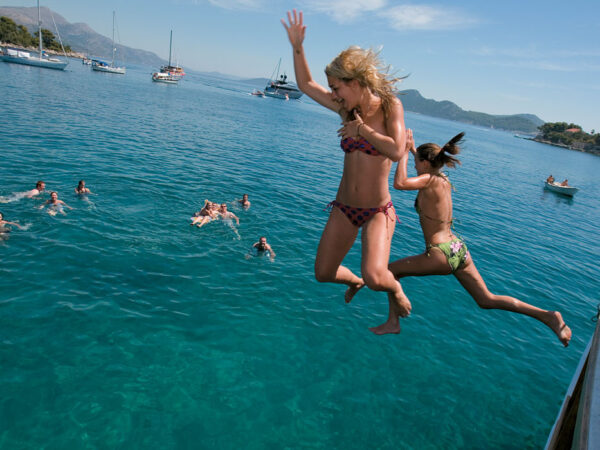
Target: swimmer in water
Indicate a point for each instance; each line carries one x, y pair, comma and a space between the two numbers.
244, 202
40, 186
445, 253
3, 229
81, 189
55, 205
263, 248
228, 214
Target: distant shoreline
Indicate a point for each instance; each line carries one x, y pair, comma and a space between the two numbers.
593, 151
48, 51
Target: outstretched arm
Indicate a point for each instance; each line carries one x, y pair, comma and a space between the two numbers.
401, 180
6, 222
296, 29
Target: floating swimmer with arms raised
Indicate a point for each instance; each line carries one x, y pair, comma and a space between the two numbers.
445, 253
372, 137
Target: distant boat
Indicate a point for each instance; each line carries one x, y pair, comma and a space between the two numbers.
257, 93
87, 61
279, 87
565, 190
23, 57
169, 74
102, 66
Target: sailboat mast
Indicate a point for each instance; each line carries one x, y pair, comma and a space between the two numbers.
278, 65
170, 45
39, 28
113, 40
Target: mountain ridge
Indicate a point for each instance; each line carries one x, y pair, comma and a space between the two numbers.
79, 36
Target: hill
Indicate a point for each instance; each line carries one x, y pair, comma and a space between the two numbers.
415, 102
79, 36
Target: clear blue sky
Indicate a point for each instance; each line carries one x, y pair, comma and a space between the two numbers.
508, 57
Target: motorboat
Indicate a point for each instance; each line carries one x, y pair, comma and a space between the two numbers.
557, 187
280, 87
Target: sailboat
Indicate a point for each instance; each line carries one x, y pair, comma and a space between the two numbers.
279, 87
102, 66
169, 74
41, 60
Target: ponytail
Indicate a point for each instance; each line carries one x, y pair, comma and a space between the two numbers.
442, 156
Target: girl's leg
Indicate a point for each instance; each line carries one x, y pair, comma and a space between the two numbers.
337, 239
471, 280
420, 265
376, 239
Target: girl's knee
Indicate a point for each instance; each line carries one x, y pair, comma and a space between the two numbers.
323, 275
486, 302
375, 280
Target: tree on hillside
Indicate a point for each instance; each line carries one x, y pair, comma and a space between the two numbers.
13, 33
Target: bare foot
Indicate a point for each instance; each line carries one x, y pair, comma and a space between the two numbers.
387, 328
352, 290
558, 325
400, 301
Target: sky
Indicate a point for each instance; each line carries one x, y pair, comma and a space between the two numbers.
508, 57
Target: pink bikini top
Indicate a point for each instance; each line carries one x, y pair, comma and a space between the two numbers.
349, 145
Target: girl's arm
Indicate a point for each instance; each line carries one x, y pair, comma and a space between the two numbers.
296, 29
393, 145
401, 180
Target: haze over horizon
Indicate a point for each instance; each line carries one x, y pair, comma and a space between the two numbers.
510, 58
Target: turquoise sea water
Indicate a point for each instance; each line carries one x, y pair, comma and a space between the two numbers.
123, 327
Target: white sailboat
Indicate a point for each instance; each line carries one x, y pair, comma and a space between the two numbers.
169, 74
23, 57
102, 66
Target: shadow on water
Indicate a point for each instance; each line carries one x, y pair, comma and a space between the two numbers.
557, 197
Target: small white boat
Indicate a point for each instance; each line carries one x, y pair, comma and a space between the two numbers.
565, 190
164, 78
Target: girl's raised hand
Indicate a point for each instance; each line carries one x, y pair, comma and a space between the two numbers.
410, 141
295, 28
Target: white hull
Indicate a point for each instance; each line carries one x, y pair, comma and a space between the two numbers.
160, 77
109, 69
51, 63
565, 190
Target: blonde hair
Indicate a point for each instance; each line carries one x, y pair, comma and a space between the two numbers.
364, 66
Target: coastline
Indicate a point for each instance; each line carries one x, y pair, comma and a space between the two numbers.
592, 151
48, 51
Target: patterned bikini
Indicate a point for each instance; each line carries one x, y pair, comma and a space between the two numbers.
455, 250
359, 216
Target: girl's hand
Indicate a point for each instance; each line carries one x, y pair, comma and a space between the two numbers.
351, 127
410, 141
295, 29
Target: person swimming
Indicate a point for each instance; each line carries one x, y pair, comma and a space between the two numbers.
244, 202
445, 253
225, 214
262, 248
40, 186
55, 205
5, 227
81, 189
